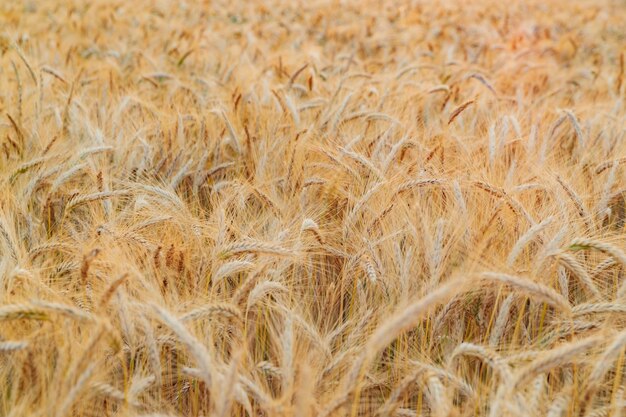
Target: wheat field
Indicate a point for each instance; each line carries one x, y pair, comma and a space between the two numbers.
312, 208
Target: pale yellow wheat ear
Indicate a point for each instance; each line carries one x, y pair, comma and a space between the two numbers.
501, 320
310, 226
609, 249
526, 238
438, 398
539, 291
255, 247
486, 355
197, 350
555, 357
579, 272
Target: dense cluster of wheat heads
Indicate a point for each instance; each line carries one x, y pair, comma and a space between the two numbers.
312, 208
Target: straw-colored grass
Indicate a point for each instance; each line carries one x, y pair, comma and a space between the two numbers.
312, 208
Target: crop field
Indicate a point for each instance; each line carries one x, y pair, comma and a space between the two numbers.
313, 208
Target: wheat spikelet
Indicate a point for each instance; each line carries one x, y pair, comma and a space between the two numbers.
198, 351
563, 282
153, 349
527, 238
287, 357
27, 166
579, 272
370, 269
481, 78
419, 183
351, 217
458, 195
202, 179
94, 150
88, 198
180, 175
231, 130
86, 264
20, 93
310, 226
535, 401
448, 376
540, 291
559, 405
231, 268
269, 368
22, 56
549, 249
362, 161
64, 177
256, 248
165, 195
263, 399
511, 202
405, 412
554, 358
106, 390
223, 309
501, 320
602, 209
262, 289
334, 118
106, 296
579, 132
138, 386
602, 266
611, 250
574, 197
381, 116
598, 308
397, 147
39, 181
439, 401
56, 74
486, 355
459, 110
34, 252
8, 240
313, 181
